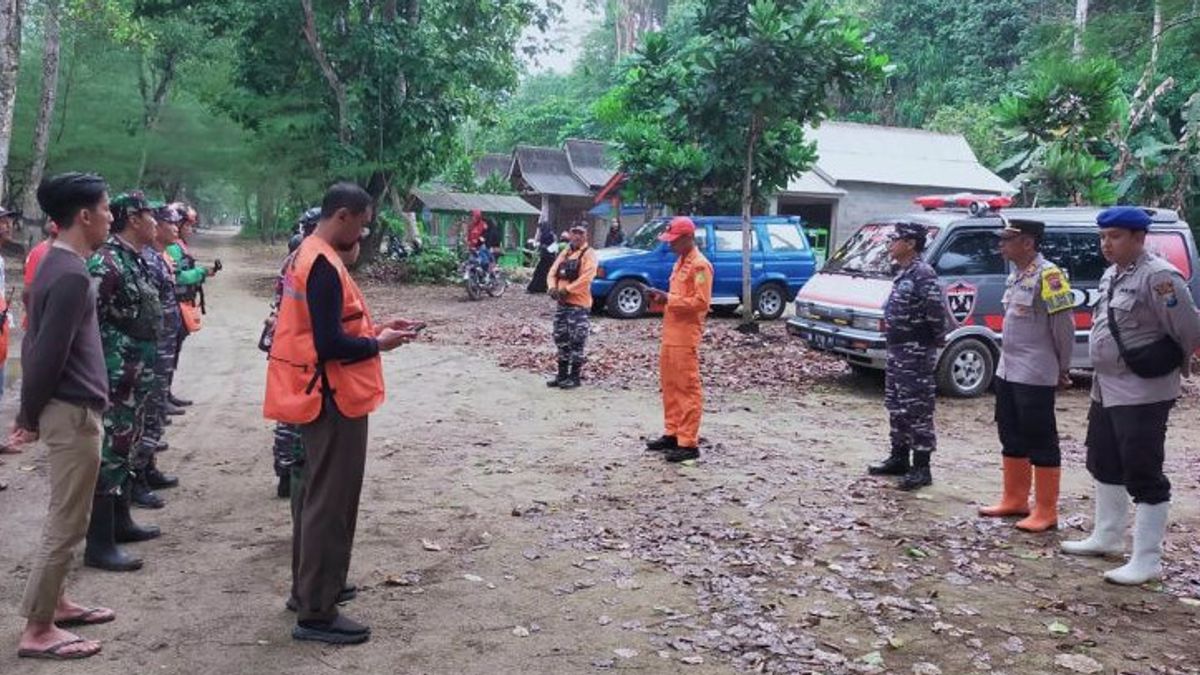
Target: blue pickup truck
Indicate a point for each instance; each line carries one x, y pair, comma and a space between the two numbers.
782, 261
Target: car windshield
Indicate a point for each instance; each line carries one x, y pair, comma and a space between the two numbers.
866, 253
646, 238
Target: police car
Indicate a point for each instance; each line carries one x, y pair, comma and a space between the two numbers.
840, 309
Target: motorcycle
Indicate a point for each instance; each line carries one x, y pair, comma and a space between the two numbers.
478, 280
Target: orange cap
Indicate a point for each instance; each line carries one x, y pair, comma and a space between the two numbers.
681, 226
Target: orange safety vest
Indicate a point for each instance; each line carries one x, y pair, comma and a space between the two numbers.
296, 380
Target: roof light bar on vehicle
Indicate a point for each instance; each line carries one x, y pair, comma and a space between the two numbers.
976, 204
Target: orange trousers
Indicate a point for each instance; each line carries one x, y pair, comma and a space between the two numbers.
683, 397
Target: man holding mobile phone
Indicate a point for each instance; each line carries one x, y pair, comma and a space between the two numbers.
325, 374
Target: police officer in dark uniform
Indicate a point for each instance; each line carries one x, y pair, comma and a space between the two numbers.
917, 324
1144, 330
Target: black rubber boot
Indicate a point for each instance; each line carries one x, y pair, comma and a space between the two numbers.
157, 480
101, 551
564, 370
125, 531
662, 444
142, 495
896, 464
173, 410
176, 401
284, 489
919, 476
572, 380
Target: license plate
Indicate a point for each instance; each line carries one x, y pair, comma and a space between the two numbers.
819, 341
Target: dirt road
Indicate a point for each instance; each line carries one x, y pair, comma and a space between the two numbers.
509, 529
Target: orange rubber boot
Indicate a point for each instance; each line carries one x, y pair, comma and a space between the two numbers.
1045, 503
1017, 477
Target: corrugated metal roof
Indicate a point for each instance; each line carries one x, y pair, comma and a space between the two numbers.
466, 201
548, 172
896, 156
492, 163
812, 183
588, 161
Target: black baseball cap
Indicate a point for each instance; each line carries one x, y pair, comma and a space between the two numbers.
9, 213
910, 231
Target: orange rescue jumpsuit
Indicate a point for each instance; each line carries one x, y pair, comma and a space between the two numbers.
686, 308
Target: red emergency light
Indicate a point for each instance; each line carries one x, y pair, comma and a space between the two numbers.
964, 200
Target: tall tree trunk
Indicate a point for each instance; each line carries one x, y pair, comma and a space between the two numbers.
154, 96
41, 136
10, 65
331, 76
748, 324
1081, 19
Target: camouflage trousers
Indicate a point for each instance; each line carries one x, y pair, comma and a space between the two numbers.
909, 396
571, 328
289, 448
156, 404
130, 381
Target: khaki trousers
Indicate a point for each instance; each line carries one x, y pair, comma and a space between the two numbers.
72, 435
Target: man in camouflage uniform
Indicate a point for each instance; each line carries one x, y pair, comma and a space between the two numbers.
570, 282
149, 478
288, 448
917, 324
130, 316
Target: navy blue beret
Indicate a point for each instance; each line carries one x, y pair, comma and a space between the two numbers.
1125, 217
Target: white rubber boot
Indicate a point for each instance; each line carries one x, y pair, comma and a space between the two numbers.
1149, 528
1108, 530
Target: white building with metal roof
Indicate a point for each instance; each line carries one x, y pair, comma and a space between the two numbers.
866, 171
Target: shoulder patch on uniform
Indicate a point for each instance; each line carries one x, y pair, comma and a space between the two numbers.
702, 276
1056, 291
1164, 288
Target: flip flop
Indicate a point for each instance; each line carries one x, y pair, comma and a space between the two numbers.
55, 652
90, 617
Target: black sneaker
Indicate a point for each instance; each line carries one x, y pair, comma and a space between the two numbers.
662, 443
682, 454
339, 631
917, 478
895, 465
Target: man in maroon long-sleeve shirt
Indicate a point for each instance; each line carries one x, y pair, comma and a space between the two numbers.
63, 394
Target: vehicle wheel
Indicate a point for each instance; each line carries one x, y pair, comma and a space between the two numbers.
474, 292
770, 301
966, 369
626, 301
499, 285
725, 310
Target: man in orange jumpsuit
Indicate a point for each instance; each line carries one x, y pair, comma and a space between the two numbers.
684, 309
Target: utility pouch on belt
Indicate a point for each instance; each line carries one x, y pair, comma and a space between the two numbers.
1156, 359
